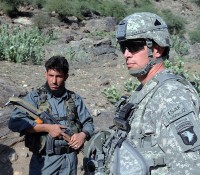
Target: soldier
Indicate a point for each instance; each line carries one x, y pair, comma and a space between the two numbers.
157, 128
165, 124
68, 109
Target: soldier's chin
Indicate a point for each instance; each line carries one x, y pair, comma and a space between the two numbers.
54, 89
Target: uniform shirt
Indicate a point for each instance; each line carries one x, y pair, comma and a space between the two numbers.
166, 127
65, 164
19, 122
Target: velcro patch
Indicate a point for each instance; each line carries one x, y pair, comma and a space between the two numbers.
174, 112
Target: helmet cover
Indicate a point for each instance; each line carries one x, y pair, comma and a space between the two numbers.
144, 25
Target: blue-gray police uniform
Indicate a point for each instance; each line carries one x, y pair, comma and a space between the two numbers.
65, 163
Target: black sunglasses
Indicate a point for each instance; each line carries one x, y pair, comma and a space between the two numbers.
132, 45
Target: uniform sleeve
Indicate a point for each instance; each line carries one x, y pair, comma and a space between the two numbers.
19, 120
177, 124
84, 116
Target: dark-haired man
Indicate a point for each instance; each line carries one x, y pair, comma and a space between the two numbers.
68, 109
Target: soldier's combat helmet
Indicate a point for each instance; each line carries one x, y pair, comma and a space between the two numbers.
148, 26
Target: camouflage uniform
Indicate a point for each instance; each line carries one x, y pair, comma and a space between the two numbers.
166, 126
66, 163
161, 134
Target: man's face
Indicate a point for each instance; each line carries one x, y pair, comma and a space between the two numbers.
135, 53
55, 79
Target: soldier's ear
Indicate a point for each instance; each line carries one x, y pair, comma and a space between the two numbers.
158, 51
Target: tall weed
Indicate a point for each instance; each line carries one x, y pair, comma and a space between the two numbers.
22, 45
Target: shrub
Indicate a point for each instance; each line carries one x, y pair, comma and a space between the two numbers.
70, 8
42, 20
112, 94
197, 2
177, 67
130, 85
76, 53
6, 7
180, 45
195, 36
22, 45
112, 8
176, 24
37, 3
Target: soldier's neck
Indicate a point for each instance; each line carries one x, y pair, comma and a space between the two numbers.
153, 71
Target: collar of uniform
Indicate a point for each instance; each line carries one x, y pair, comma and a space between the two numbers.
64, 96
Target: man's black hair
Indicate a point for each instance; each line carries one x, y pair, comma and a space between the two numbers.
58, 63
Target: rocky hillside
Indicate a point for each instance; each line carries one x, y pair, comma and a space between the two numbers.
95, 64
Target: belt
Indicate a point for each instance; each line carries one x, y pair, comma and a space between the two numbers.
63, 150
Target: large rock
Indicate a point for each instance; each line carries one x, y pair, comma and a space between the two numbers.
7, 89
105, 24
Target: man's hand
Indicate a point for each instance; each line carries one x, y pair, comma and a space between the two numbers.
77, 140
54, 130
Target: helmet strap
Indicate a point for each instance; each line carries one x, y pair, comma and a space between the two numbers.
145, 70
150, 64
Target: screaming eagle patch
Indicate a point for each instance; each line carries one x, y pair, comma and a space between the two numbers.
188, 136
184, 126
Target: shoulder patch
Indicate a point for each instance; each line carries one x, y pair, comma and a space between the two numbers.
185, 128
174, 112
188, 136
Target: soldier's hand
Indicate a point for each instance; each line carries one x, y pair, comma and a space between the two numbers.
77, 140
55, 130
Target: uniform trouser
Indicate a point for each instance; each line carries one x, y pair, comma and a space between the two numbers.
65, 164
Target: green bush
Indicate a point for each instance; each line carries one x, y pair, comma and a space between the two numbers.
43, 20
177, 67
197, 2
65, 8
176, 24
99, 34
10, 6
130, 85
180, 45
22, 45
112, 8
195, 36
6, 7
37, 3
76, 53
112, 94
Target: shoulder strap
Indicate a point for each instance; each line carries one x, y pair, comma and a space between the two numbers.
42, 92
71, 101
71, 106
160, 79
43, 104
72, 116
